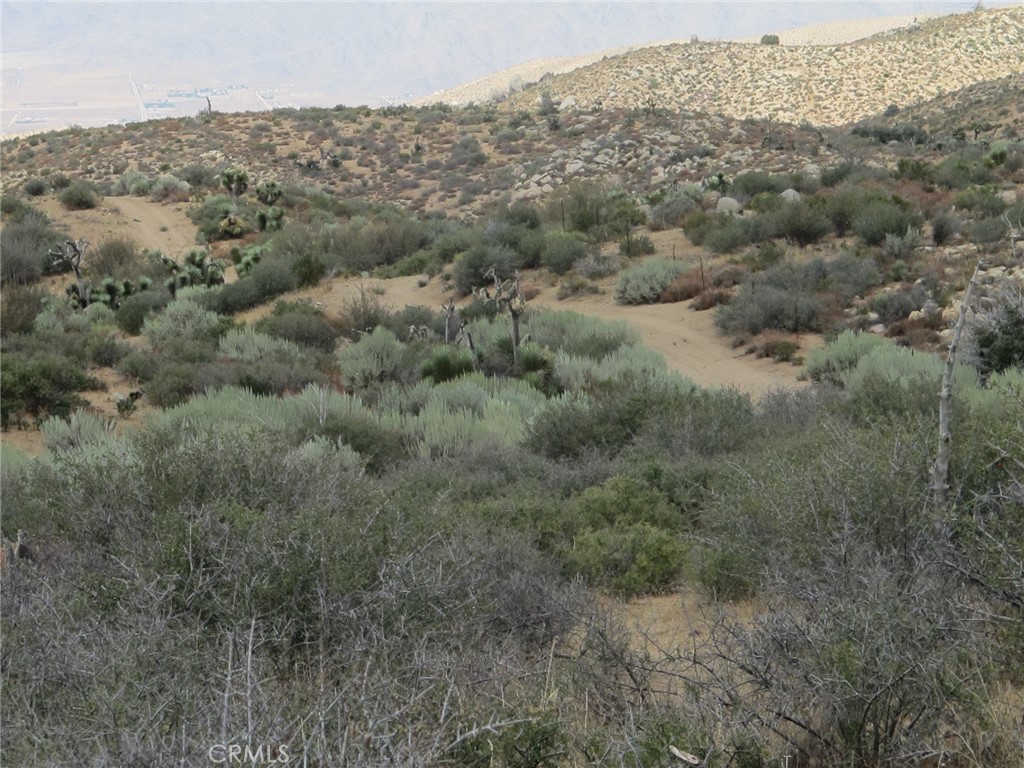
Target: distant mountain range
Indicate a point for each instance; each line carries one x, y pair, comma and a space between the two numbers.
373, 53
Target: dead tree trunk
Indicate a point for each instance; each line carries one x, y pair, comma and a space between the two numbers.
449, 317
508, 296
940, 469
70, 253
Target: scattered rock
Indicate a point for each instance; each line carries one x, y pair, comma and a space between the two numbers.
728, 205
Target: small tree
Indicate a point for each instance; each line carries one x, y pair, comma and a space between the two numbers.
508, 296
236, 181
70, 254
769, 39
268, 192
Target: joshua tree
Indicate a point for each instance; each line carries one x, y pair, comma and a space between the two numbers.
509, 296
268, 192
70, 253
235, 181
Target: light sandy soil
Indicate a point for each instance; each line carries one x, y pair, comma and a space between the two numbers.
688, 340
155, 226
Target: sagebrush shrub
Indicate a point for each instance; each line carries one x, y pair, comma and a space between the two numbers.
900, 246
79, 196
644, 283
831, 362
181, 320
880, 218
25, 243
168, 188
372, 361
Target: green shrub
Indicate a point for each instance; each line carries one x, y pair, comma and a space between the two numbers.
209, 216
729, 234
471, 267
644, 283
573, 424
133, 183
987, 231
803, 222
264, 281
79, 196
769, 39
842, 208
671, 211
372, 361
914, 169
172, 385
561, 251
835, 174
756, 308
880, 218
25, 242
752, 183
198, 175
116, 257
168, 188
251, 346
308, 328
181, 321
944, 226
360, 313
381, 446
34, 187
831, 363
893, 306
629, 560
728, 574
446, 363
963, 169
636, 245
139, 365
900, 247
19, 307
1000, 340
41, 384
698, 225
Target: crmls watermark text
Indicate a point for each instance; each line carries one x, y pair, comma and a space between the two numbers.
248, 754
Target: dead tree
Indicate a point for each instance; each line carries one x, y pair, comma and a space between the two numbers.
940, 469
449, 319
508, 296
1015, 234
70, 254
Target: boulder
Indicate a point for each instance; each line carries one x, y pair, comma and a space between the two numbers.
728, 205
790, 195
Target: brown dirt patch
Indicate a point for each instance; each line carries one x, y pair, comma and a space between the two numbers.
687, 339
155, 226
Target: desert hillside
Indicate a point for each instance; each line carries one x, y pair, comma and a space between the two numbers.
831, 84
557, 432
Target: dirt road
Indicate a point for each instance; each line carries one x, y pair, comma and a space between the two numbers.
688, 340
